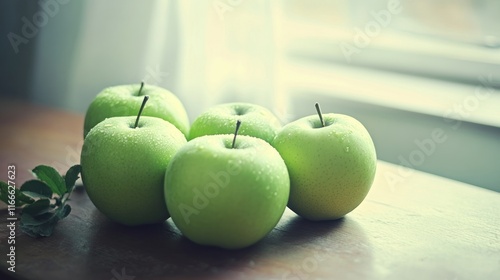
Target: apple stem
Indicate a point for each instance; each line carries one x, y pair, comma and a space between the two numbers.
238, 124
318, 109
146, 97
140, 89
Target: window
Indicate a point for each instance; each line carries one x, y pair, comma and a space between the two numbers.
420, 56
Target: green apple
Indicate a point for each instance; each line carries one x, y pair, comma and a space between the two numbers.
122, 101
332, 162
123, 167
226, 195
220, 119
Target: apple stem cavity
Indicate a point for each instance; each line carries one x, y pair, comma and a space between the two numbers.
146, 97
238, 124
318, 109
140, 89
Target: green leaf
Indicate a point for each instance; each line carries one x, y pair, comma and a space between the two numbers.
29, 230
38, 207
30, 220
36, 189
31, 227
4, 192
71, 176
21, 199
51, 177
43, 224
40, 217
47, 228
64, 211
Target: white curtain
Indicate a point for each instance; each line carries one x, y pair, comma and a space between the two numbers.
207, 52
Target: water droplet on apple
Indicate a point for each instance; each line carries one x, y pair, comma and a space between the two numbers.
275, 193
346, 149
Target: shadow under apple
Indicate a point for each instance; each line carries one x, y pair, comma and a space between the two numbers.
295, 248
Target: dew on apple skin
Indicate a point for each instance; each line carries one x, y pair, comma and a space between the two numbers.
347, 149
257, 175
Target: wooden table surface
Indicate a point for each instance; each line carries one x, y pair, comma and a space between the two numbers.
425, 227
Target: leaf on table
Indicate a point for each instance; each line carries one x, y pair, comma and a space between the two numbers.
41, 208
38, 207
30, 220
51, 177
21, 199
39, 226
42, 225
64, 211
36, 189
71, 176
4, 191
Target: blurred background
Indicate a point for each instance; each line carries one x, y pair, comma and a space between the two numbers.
407, 70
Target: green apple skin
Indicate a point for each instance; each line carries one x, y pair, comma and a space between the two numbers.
257, 121
123, 167
224, 197
331, 168
122, 101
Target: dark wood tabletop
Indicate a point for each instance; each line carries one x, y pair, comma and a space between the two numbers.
424, 227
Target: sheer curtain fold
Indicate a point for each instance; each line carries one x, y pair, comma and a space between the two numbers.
202, 53
228, 52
